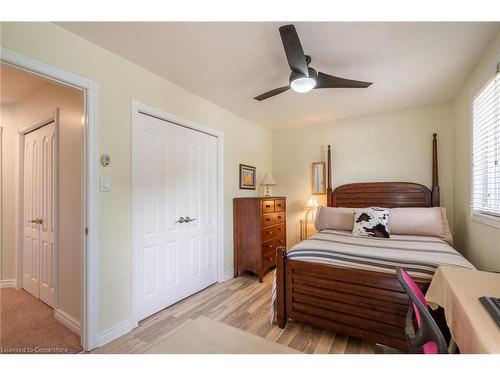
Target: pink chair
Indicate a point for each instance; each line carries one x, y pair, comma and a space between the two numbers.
428, 339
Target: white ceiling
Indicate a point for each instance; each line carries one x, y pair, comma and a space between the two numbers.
411, 64
16, 84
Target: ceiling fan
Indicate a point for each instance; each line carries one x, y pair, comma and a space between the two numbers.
303, 78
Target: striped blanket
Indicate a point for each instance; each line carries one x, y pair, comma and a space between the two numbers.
420, 256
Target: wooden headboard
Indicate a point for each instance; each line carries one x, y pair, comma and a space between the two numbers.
385, 194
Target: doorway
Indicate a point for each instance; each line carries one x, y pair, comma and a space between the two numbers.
89, 321
43, 213
177, 217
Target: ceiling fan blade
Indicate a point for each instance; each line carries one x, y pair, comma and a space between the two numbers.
271, 93
293, 49
325, 81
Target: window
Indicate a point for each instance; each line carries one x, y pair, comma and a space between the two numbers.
486, 151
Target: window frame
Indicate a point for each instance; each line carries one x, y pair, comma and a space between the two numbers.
488, 72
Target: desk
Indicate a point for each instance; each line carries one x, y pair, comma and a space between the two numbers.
457, 290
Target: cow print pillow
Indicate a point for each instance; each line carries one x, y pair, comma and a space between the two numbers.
371, 222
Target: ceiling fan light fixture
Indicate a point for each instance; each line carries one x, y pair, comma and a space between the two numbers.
302, 77
303, 84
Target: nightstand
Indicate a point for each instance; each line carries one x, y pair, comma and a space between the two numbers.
306, 229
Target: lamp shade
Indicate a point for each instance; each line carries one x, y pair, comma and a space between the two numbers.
268, 180
312, 202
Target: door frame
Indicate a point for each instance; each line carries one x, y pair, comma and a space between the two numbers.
89, 321
141, 108
40, 123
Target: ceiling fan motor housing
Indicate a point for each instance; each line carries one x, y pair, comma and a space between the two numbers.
294, 75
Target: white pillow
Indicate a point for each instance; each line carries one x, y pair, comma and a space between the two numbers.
371, 222
420, 221
338, 218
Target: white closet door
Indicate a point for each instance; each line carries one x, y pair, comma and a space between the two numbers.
177, 178
39, 213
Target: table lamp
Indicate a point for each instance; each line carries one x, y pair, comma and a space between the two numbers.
268, 181
312, 204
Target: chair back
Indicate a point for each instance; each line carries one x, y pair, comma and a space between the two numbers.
428, 339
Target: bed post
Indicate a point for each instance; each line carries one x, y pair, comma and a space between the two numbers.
280, 286
435, 177
329, 196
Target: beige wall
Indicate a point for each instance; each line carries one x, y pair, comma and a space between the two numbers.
393, 146
120, 81
480, 242
24, 113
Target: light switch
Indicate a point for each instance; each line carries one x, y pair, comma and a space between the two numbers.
105, 183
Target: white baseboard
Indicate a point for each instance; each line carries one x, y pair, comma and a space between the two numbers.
11, 283
228, 275
67, 320
116, 331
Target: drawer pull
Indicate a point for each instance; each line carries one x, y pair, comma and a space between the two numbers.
267, 219
269, 233
279, 229
279, 217
268, 206
280, 241
270, 246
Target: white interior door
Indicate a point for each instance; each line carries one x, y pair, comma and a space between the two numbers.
177, 179
39, 213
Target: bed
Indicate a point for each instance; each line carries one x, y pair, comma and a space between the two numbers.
348, 284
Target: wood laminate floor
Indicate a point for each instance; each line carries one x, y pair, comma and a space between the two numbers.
243, 303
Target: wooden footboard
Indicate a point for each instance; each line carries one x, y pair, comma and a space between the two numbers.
360, 303
280, 286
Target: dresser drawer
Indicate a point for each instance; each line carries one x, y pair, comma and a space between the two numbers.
267, 206
279, 205
271, 246
273, 218
272, 232
281, 242
279, 217
268, 261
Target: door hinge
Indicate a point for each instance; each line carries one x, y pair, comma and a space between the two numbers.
86, 231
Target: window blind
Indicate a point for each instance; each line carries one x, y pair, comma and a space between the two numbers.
486, 149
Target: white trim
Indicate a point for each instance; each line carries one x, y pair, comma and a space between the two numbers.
91, 140
10, 283
141, 107
490, 220
66, 319
116, 331
228, 275
485, 75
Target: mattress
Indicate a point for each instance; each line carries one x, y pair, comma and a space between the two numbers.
420, 256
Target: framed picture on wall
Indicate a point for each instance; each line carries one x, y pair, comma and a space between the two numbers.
247, 177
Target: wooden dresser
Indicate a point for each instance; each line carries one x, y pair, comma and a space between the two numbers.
259, 227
